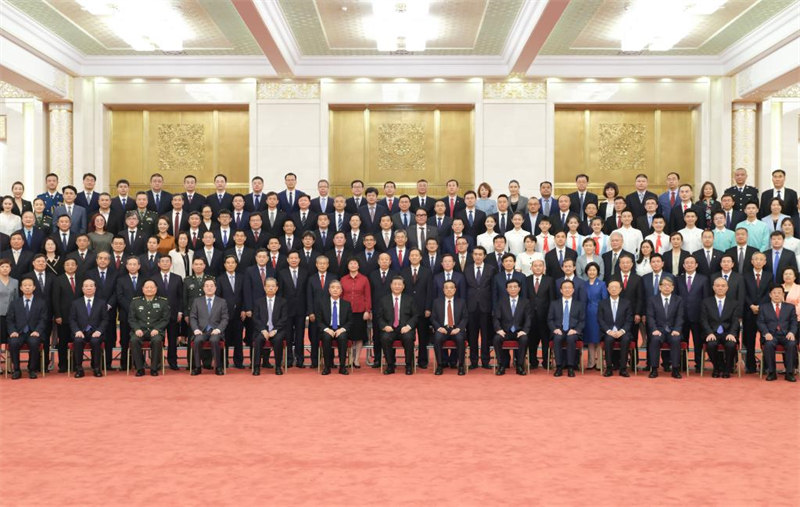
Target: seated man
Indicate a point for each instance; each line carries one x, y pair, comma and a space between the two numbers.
512, 321
332, 317
664, 324
615, 317
566, 320
208, 320
396, 318
269, 323
149, 316
27, 320
88, 319
720, 323
449, 321
777, 322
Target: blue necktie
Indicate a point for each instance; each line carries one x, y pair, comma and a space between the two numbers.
565, 319
29, 238
655, 285
719, 307
405, 220
560, 257
470, 217
208, 303
224, 238
335, 316
103, 278
27, 306
134, 282
158, 201
513, 311
88, 307
775, 266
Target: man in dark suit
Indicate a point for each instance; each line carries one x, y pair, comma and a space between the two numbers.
129, 285
693, 288
440, 220
422, 200
390, 202
323, 234
289, 197
741, 191
170, 287
453, 203
742, 253
319, 281
615, 318
478, 279
371, 213
580, 198
541, 291
245, 256
380, 282
562, 215
269, 323
304, 219
566, 320
26, 320
635, 200
292, 284
396, 319
105, 281
632, 287
208, 320
665, 325
735, 280
177, 216
645, 222
399, 252
732, 216
777, 322
511, 318
449, 321
135, 241
474, 219
340, 218
533, 217
708, 258
403, 218
368, 256
720, 322
211, 255
192, 201
88, 199
149, 259
34, 236
448, 273
88, 321
324, 203
21, 259
421, 230
611, 258
556, 256
84, 257
503, 215
338, 256
255, 201
778, 191
779, 258
158, 200
220, 199
432, 256
123, 202
66, 289
64, 237
757, 287
419, 285
230, 287
332, 316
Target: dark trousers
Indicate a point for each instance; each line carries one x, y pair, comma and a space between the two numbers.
124, 339
233, 339
388, 350
156, 348
314, 337
424, 339
540, 334
624, 344
560, 343
62, 346
769, 352
503, 356
96, 344
749, 329
33, 343
480, 322
197, 347
438, 342
654, 346
172, 331
110, 336
296, 339
327, 349
724, 363
697, 340
277, 343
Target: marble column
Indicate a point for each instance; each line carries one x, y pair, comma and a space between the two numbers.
745, 138
60, 141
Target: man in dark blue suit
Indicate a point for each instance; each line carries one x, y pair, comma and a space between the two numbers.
158, 200
580, 198
105, 280
26, 321
34, 237
693, 288
457, 231
449, 273
399, 252
777, 322
778, 257
230, 287
254, 278
757, 285
566, 320
581, 292
478, 278
449, 321
512, 322
419, 283
88, 321
170, 286
615, 317
220, 199
89, 198
324, 203
319, 281
256, 201
372, 212
288, 198
508, 272
665, 325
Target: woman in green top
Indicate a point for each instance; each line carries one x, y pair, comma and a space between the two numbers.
98, 235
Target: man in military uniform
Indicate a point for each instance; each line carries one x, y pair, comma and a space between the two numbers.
149, 316
52, 197
192, 289
147, 218
742, 192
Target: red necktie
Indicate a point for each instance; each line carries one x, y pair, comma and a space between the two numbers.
400, 257
574, 246
255, 236
338, 257
274, 262
625, 282
118, 261
546, 246
72, 283
452, 206
672, 198
450, 319
396, 312
177, 223
619, 222
758, 280
778, 314
536, 285
658, 244
389, 202
597, 245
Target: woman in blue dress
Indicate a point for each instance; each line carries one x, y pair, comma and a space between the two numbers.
595, 292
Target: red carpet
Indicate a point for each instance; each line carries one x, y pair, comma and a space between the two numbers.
369, 439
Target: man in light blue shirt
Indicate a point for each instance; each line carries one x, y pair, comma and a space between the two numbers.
757, 231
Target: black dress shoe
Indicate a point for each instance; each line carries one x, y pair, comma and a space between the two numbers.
521, 371
314, 366
196, 371
140, 373
356, 366
667, 368
423, 366
301, 365
220, 371
473, 366
409, 370
343, 370
653, 373
268, 365
697, 368
326, 371
32, 375
80, 374
608, 373
62, 370
98, 372
558, 372
486, 367
462, 370
256, 372
16, 375
207, 367
624, 373
375, 365
676, 374
278, 370
725, 374
239, 366
750, 371
772, 376
438, 371
790, 377
389, 370
534, 366
501, 370
154, 373
715, 374
174, 367
570, 372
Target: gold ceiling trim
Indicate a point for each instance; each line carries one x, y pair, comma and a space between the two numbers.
287, 91
790, 92
515, 91
9, 91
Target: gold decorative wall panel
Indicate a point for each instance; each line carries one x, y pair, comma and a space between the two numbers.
615, 145
176, 143
402, 145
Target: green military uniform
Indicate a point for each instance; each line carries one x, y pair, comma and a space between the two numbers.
44, 223
193, 288
147, 316
147, 222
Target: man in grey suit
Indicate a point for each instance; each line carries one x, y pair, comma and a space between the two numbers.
77, 214
421, 231
208, 319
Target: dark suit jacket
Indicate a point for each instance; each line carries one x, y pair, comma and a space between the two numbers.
676, 221
633, 292
196, 204
577, 315
367, 266
340, 268
422, 290
88, 262
479, 293
499, 286
478, 222
408, 315
540, 300
200, 318
165, 202
263, 238
693, 300
736, 218
323, 246
459, 205
787, 259
183, 225
581, 288
648, 285
317, 208
250, 205
394, 208
316, 290
324, 315
735, 285
608, 257
37, 240
503, 320
212, 200
657, 320
667, 256
297, 218
755, 294
280, 315
551, 261
448, 243
283, 200
636, 206
308, 261
215, 267
356, 245
253, 288
395, 260
533, 225
26, 206
555, 219
130, 204
436, 267
508, 224
445, 228
769, 322
430, 203
729, 320
334, 225
62, 296
368, 224
106, 291
46, 291
36, 319
145, 268
90, 207
21, 266
378, 287
643, 224
397, 220
575, 202
295, 296
79, 320
173, 291
789, 207
126, 292
296, 244
139, 245
233, 296
624, 320
275, 229
460, 312
61, 248
748, 256
247, 259
702, 262
438, 285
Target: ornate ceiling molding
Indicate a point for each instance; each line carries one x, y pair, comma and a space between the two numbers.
9, 91
279, 90
790, 92
515, 91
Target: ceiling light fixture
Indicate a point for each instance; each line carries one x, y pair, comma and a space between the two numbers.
400, 24
145, 25
659, 25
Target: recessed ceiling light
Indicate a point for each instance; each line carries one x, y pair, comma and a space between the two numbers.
213, 80
438, 80
628, 80
326, 80
476, 80
344, 8
666, 80
137, 80
590, 80
363, 80
175, 80
401, 80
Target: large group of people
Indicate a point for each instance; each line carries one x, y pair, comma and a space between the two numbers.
468, 271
